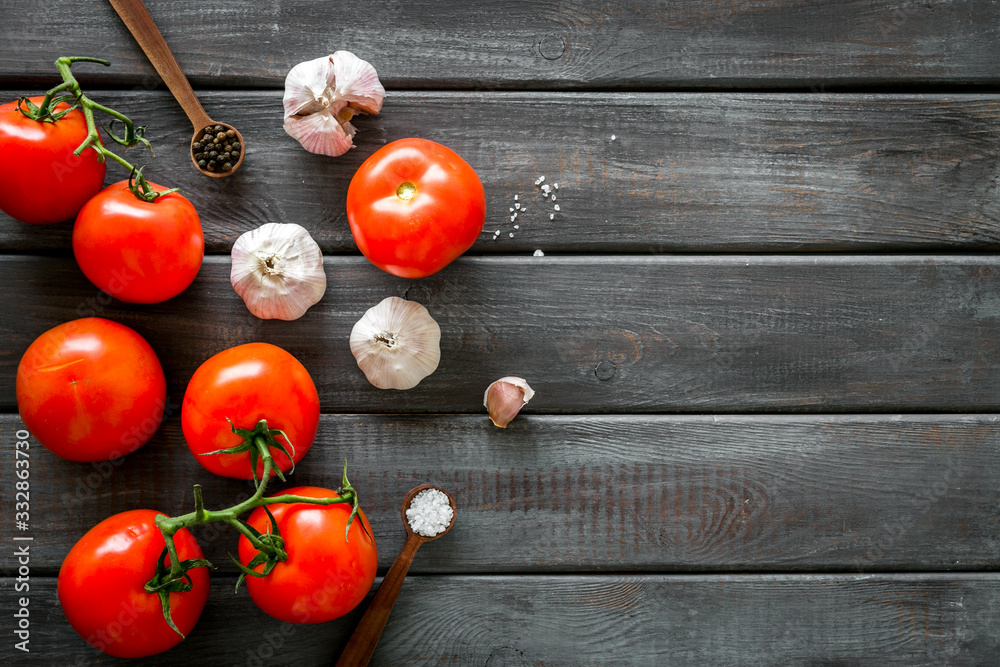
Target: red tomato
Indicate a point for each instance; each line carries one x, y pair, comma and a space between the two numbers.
41, 181
91, 390
138, 251
325, 576
414, 206
245, 384
101, 581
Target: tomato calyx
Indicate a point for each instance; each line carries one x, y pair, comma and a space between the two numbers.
166, 581
266, 557
69, 92
258, 441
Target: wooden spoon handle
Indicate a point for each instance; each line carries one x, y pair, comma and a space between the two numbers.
362, 644
137, 19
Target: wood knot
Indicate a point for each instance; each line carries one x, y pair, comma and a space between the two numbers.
552, 47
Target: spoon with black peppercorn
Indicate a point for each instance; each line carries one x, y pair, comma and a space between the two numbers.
362, 644
217, 149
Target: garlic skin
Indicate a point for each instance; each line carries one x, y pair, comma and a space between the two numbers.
278, 271
397, 344
505, 398
321, 97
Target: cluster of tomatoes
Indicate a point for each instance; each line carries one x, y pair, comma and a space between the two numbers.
108, 380
135, 250
94, 390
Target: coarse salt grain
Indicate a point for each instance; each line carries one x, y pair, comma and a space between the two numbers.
556, 207
517, 226
511, 234
613, 137
552, 216
539, 253
555, 185
429, 513
515, 197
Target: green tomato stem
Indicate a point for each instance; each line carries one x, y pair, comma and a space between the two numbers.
45, 112
269, 545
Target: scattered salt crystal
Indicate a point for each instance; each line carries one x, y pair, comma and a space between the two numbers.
539, 253
552, 216
429, 513
553, 197
555, 185
515, 197
517, 206
546, 188
517, 226
512, 217
612, 137
512, 234
498, 232
556, 207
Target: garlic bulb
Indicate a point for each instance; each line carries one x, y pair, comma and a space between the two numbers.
321, 97
278, 271
505, 398
396, 344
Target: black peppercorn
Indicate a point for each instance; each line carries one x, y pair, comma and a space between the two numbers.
196, 146
236, 145
219, 128
202, 163
230, 133
213, 154
227, 166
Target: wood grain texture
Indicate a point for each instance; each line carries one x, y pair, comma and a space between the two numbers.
565, 44
731, 333
688, 172
869, 621
577, 494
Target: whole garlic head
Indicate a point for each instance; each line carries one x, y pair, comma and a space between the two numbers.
278, 271
321, 97
397, 344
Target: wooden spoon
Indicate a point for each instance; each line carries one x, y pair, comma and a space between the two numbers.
137, 19
362, 644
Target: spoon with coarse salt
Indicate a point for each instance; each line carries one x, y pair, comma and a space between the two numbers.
428, 513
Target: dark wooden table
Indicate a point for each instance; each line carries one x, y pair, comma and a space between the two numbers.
765, 334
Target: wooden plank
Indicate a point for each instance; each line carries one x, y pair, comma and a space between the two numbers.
557, 494
730, 333
573, 44
688, 172
556, 620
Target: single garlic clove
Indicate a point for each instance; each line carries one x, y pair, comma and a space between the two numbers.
505, 398
357, 82
307, 87
323, 95
278, 271
320, 133
396, 344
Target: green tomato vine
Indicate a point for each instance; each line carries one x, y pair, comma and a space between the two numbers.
69, 92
